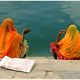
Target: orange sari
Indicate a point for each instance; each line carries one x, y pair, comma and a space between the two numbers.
70, 44
9, 40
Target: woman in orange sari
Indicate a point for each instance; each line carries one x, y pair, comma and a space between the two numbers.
68, 47
10, 40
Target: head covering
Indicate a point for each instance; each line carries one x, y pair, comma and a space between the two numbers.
70, 44
10, 39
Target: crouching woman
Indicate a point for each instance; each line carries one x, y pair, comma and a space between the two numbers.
11, 42
68, 48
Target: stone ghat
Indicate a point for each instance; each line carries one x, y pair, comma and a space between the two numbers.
46, 68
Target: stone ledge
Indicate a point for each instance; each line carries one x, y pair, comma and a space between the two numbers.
46, 68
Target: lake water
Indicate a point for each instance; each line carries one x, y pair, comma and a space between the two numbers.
45, 19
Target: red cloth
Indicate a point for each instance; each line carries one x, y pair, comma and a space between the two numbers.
55, 50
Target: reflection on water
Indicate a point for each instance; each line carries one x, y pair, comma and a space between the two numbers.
45, 19
72, 9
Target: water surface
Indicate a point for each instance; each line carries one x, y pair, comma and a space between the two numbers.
45, 19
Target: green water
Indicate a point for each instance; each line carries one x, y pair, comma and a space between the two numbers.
45, 19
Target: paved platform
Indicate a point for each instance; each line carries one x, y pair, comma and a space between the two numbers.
46, 68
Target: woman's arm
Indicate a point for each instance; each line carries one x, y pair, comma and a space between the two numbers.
59, 34
25, 31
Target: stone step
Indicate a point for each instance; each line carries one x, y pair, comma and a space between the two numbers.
46, 68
